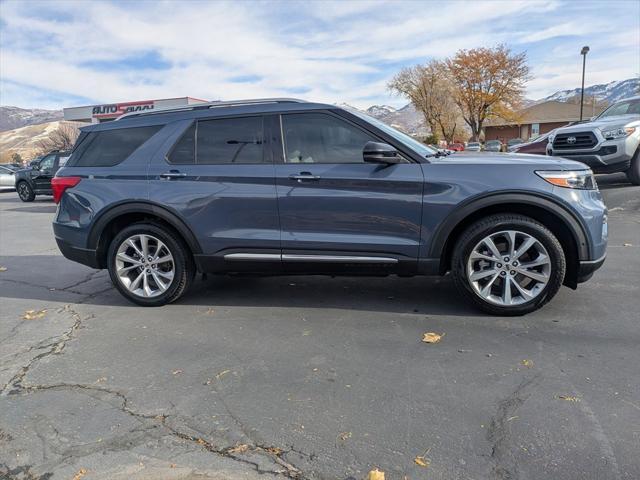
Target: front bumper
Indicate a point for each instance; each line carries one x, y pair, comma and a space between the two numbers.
607, 156
588, 267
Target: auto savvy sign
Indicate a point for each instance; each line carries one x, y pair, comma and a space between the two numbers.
114, 110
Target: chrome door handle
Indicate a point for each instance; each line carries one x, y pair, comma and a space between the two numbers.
173, 174
304, 176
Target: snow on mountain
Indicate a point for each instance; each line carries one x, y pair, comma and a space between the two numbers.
610, 92
380, 110
15, 117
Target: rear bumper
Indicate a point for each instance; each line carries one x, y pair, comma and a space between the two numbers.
84, 256
588, 267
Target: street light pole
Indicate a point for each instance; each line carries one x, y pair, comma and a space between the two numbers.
583, 52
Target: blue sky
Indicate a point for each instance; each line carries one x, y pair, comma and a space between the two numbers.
66, 53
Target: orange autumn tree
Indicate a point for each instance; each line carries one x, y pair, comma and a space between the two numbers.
488, 83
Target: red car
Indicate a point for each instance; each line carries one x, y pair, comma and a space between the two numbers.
537, 146
458, 147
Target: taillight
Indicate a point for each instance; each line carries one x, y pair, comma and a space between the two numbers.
60, 184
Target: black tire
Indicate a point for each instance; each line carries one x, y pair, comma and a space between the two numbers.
184, 268
25, 192
497, 223
633, 172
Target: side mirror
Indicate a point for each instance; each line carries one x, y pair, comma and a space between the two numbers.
375, 152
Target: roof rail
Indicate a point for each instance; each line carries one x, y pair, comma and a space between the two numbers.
216, 104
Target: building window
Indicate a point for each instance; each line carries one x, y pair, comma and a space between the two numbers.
535, 130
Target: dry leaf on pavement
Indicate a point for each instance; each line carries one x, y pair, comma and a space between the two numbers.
177, 372
431, 337
34, 314
375, 474
274, 451
241, 448
527, 363
626, 244
568, 398
422, 460
81, 473
3, 269
222, 374
344, 436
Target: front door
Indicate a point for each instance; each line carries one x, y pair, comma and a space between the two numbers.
335, 209
43, 175
219, 179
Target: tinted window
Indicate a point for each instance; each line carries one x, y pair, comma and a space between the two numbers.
221, 141
229, 140
185, 150
110, 147
47, 162
321, 138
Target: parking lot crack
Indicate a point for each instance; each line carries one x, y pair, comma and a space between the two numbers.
505, 466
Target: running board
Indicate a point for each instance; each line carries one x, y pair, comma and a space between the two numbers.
275, 257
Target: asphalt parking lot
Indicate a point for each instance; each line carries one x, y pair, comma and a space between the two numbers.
313, 377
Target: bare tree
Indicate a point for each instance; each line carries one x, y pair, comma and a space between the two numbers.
488, 83
63, 138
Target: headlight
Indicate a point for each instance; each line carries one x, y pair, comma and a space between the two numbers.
580, 179
618, 132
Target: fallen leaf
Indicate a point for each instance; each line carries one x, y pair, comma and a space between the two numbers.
568, 398
344, 436
375, 474
527, 363
422, 460
3, 269
200, 441
241, 448
177, 372
274, 451
81, 473
431, 337
627, 244
222, 374
101, 379
211, 311
34, 314
173, 465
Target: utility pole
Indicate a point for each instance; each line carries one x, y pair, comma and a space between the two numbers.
583, 52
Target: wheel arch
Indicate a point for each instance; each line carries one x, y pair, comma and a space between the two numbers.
106, 226
558, 218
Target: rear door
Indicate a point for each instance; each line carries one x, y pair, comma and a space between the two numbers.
335, 209
218, 177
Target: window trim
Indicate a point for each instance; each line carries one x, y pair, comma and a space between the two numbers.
265, 143
328, 113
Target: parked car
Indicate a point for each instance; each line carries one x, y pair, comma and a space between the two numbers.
36, 179
7, 176
458, 147
608, 143
493, 146
512, 142
535, 146
284, 186
474, 147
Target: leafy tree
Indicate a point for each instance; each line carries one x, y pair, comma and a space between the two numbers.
487, 83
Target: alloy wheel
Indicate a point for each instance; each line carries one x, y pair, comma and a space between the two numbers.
144, 265
508, 268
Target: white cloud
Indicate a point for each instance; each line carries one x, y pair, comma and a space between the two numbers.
329, 51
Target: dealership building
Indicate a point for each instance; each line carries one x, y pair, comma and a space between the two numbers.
111, 111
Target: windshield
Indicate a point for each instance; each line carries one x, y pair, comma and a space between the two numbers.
473, 144
493, 142
630, 107
413, 144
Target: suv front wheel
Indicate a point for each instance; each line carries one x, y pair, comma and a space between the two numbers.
508, 264
149, 265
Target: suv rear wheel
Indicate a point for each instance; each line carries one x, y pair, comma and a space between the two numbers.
508, 264
25, 192
149, 265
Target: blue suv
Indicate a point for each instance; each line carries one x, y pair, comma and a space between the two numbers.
282, 186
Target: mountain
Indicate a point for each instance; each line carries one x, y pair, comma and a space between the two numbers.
406, 119
26, 140
15, 117
609, 92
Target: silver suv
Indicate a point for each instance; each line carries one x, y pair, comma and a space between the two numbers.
608, 143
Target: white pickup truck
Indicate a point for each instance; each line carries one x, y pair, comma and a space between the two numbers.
608, 143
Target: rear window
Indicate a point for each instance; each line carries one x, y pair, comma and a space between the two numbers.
110, 147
